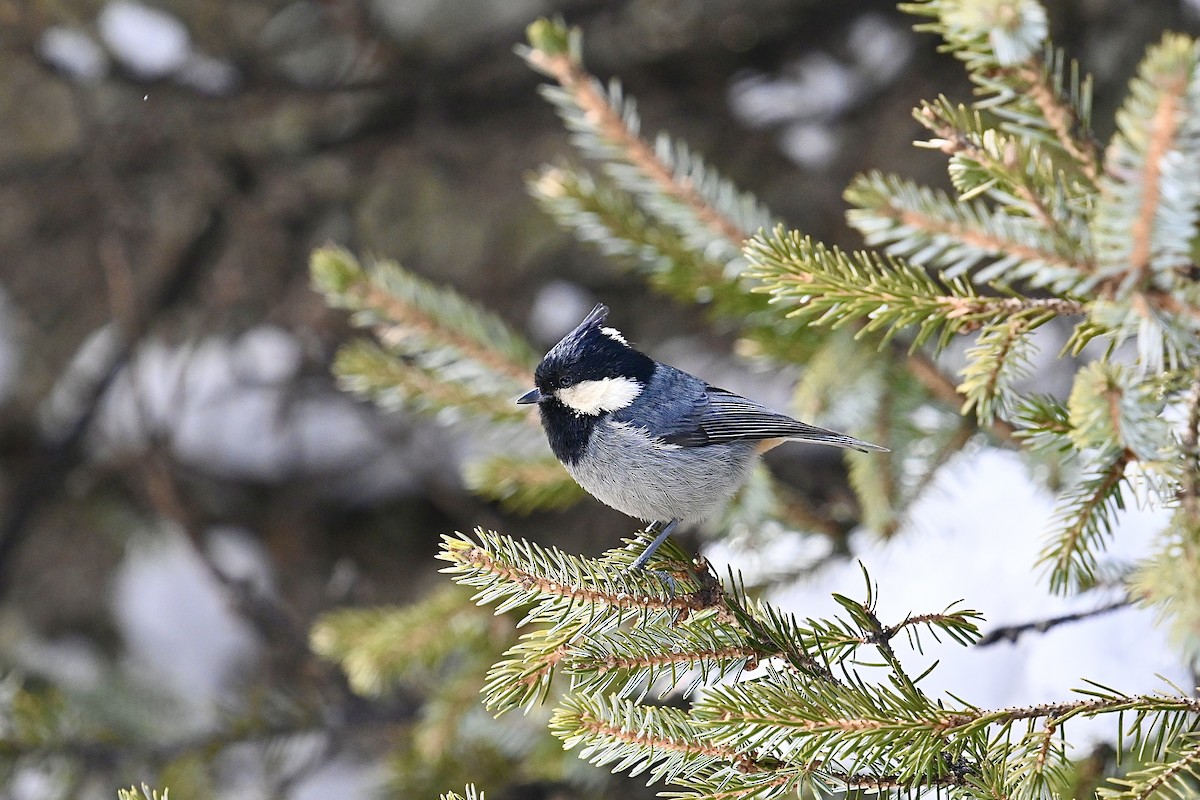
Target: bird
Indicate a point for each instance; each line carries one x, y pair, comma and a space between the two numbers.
650, 440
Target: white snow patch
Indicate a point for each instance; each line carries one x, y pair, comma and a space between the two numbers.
73, 52
72, 662
176, 620
36, 781
150, 42
266, 354
342, 777
975, 536
239, 409
881, 48
557, 308
207, 74
812, 145
240, 557
816, 86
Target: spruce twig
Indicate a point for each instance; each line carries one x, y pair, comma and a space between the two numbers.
555, 55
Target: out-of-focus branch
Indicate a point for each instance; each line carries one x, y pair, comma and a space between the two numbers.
61, 456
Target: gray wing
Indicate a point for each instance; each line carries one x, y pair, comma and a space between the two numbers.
722, 416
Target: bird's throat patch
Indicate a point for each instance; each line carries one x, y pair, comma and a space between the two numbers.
596, 397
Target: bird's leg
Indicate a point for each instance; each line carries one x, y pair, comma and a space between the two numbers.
658, 540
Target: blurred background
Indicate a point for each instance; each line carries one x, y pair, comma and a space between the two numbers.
182, 487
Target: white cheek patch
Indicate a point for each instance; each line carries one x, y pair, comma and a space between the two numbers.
615, 335
596, 397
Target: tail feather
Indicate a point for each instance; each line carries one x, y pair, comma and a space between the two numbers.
815, 435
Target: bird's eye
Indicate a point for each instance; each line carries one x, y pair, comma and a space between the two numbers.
563, 382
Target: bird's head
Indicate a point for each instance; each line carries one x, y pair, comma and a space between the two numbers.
592, 371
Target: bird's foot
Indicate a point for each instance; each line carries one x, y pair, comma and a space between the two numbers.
663, 532
667, 579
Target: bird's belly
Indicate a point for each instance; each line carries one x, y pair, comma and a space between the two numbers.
626, 469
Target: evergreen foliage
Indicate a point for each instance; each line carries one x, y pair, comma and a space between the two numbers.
1043, 225
145, 794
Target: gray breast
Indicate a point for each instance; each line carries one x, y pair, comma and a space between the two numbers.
644, 478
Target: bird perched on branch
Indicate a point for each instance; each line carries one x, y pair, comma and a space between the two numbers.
651, 440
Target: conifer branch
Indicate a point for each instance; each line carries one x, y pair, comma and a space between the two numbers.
1190, 444
1062, 115
1145, 218
833, 288
378, 648
614, 222
738, 652
1000, 307
389, 381
938, 721
1112, 406
959, 625
1164, 127
1009, 57
523, 485
506, 568
146, 794
1084, 521
610, 219
664, 170
1044, 423
437, 351
1008, 162
998, 359
675, 745
875, 633
404, 307
955, 235
469, 793
661, 730
631, 661
1182, 769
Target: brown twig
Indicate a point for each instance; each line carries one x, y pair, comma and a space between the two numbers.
954, 142
1061, 117
751, 654
979, 239
1011, 633
745, 762
1010, 306
1163, 128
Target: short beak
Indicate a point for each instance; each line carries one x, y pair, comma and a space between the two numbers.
532, 396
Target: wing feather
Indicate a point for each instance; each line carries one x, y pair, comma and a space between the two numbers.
728, 417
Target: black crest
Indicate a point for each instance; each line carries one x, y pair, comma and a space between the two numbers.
591, 352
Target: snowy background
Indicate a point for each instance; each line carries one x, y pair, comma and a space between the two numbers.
165, 168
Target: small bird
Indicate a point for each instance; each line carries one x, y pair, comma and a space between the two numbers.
650, 440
